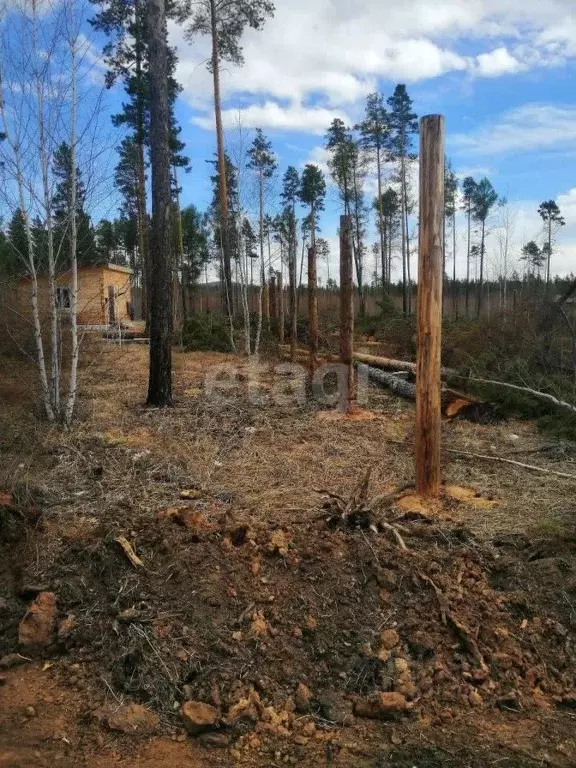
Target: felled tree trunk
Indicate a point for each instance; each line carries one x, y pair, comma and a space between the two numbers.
453, 402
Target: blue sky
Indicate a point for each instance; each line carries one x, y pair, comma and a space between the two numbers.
501, 71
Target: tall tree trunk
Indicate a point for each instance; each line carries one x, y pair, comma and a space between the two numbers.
347, 311
383, 261
54, 388
280, 310
549, 253
140, 167
481, 277
467, 289
381, 223
454, 293
179, 284
312, 295
403, 230
71, 399
222, 180
408, 274
359, 251
263, 294
312, 310
160, 293
292, 280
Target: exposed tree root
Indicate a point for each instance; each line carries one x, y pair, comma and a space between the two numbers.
359, 512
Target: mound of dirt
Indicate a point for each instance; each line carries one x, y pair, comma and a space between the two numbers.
288, 629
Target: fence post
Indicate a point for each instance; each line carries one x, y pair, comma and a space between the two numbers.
347, 309
429, 320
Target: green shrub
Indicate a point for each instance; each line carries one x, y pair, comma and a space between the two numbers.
206, 332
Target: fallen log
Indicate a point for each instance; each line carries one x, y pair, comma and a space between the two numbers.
453, 402
388, 363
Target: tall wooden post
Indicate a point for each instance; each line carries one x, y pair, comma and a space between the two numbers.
312, 310
280, 313
428, 404
347, 308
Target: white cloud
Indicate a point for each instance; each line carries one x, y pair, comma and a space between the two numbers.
526, 128
332, 52
319, 156
498, 62
273, 116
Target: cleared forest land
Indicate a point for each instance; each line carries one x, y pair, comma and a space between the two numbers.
225, 553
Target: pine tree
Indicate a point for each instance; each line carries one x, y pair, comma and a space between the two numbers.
195, 248
390, 206
290, 196
468, 192
403, 126
550, 214
263, 162
86, 251
14, 251
107, 241
161, 282
224, 21
312, 193
534, 256
347, 167
126, 55
375, 133
484, 199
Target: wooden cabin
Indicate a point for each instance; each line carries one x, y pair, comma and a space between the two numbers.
104, 295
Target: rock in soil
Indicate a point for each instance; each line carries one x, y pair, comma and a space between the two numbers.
214, 739
383, 706
302, 699
36, 629
389, 639
11, 660
132, 718
198, 716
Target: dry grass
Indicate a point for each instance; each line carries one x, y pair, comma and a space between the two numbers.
268, 458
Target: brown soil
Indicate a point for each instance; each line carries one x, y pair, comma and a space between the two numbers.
236, 586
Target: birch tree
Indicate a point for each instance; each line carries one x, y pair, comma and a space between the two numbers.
43, 54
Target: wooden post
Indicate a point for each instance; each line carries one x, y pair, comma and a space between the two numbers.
280, 313
347, 309
429, 321
312, 310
